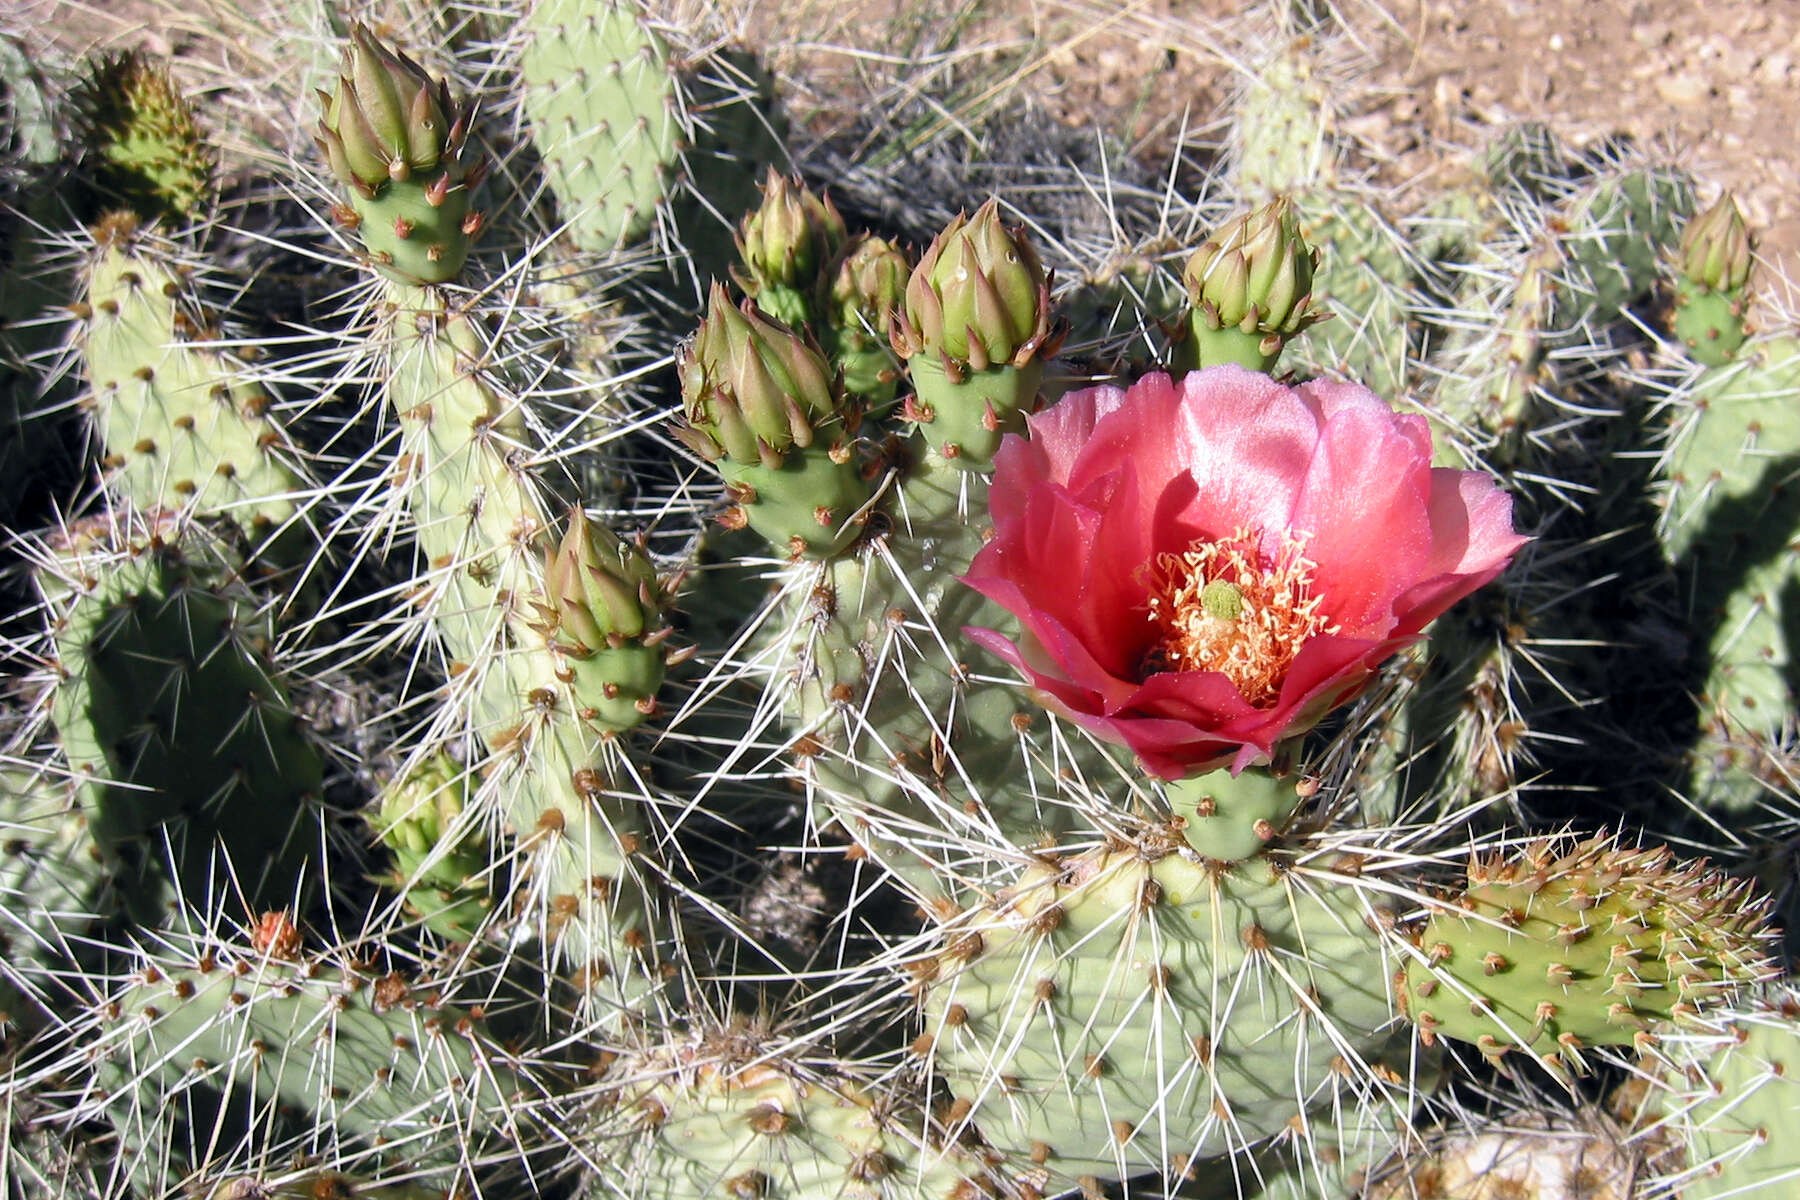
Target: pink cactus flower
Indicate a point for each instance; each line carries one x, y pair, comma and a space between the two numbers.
1202, 570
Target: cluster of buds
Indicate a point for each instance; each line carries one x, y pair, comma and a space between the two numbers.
975, 330
603, 613
757, 398
395, 139
785, 245
1712, 281
1249, 289
862, 297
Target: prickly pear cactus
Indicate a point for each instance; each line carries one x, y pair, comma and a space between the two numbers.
184, 427
1628, 942
772, 730
197, 777
601, 98
1124, 1008
1728, 523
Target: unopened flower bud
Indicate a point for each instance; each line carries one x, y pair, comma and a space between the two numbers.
387, 116
790, 239
1249, 289
869, 286
978, 296
600, 589
1255, 274
751, 388
863, 294
419, 811
395, 139
1715, 249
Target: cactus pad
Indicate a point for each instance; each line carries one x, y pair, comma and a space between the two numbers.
1556, 948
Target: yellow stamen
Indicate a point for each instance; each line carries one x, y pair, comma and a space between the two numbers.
1222, 606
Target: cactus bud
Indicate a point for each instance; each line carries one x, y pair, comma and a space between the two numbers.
978, 296
395, 139
600, 589
418, 813
862, 295
751, 387
602, 611
755, 397
1249, 289
785, 245
1715, 249
387, 115
975, 330
1711, 285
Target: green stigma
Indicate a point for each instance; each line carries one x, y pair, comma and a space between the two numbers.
1222, 601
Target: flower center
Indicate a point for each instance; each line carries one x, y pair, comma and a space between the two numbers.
1221, 606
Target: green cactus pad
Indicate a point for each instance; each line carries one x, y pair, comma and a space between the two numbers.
382, 1057
1126, 1008
483, 528
600, 96
1365, 279
183, 424
53, 888
963, 415
148, 154
1735, 1102
1710, 323
1232, 817
173, 718
812, 504
1284, 138
1618, 229
707, 1128
1556, 948
1730, 526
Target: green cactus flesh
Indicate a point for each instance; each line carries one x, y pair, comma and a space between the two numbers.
183, 425
548, 718
1127, 1008
1709, 322
1285, 130
1232, 817
1553, 949
1730, 524
1617, 231
763, 1129
148, 152
1739, 1117
173, 719
964, 414
918, 756
53, 886
600, 95
382, 1058
1364, 279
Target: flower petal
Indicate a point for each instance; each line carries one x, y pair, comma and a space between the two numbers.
1108, 480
